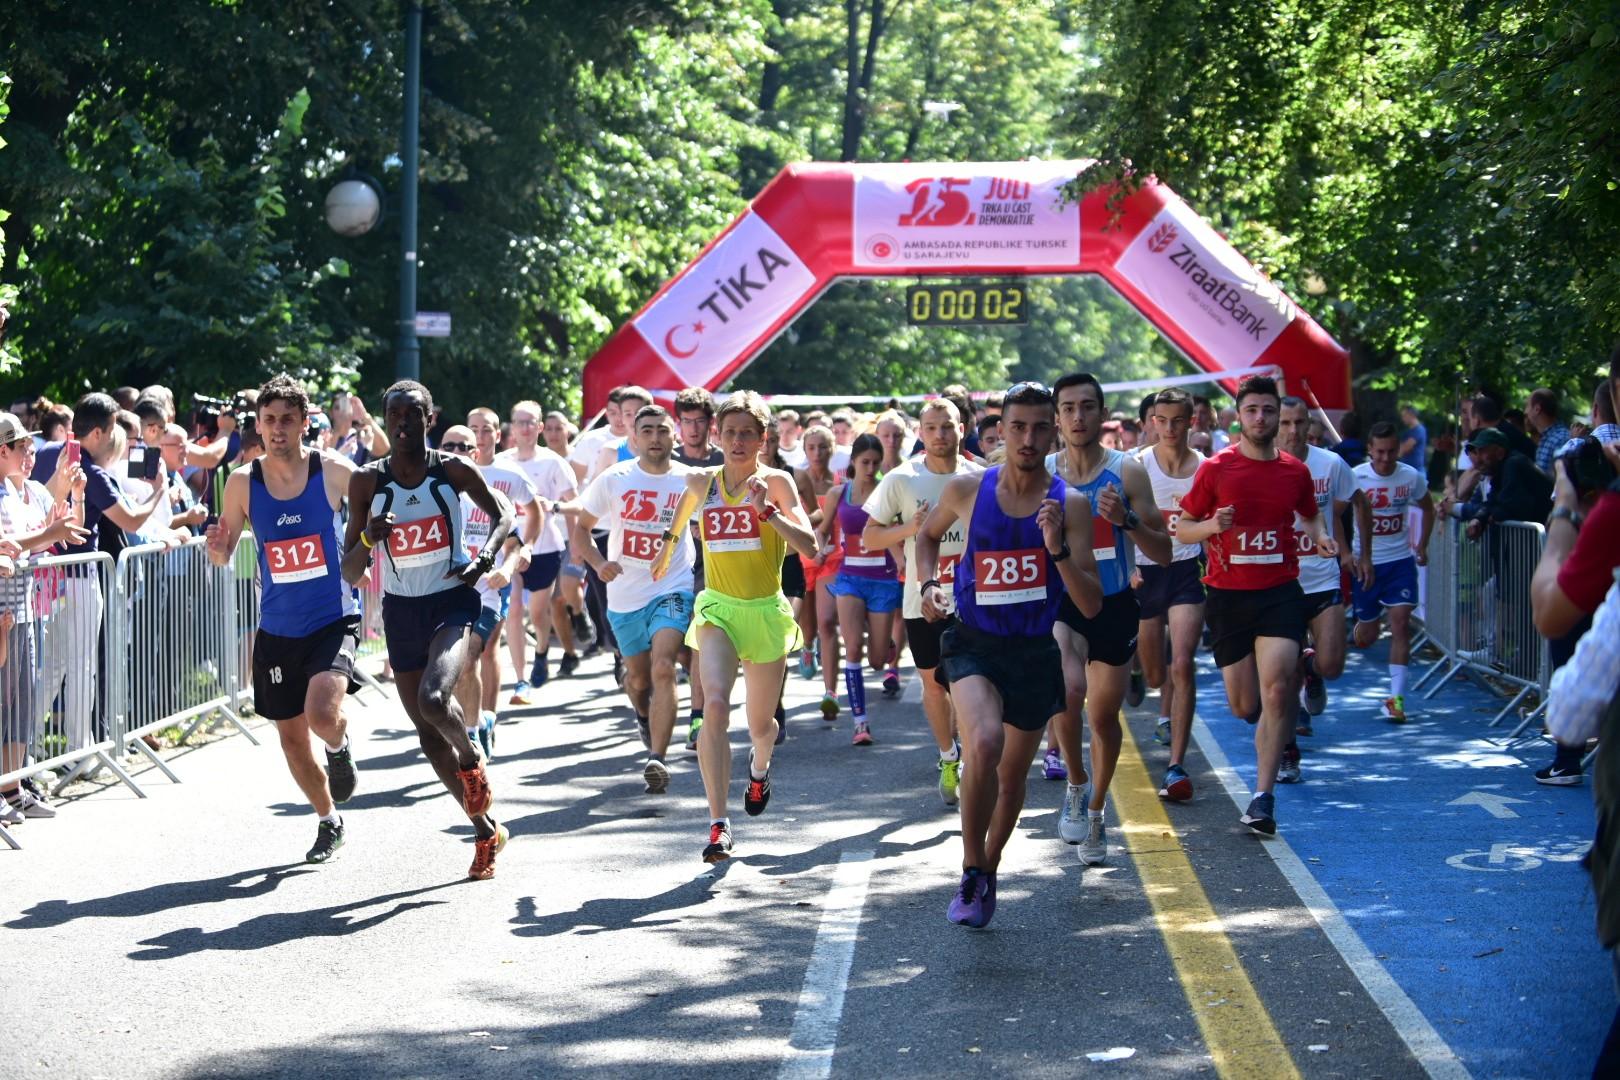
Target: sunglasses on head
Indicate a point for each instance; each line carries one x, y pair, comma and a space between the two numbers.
1028, 389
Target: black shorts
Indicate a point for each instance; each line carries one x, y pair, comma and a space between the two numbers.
1164, 587
923, 638
410, 623
542, 571
1318, 602
1237, 616
792, 576
1027, 671
1111, 636
283, 666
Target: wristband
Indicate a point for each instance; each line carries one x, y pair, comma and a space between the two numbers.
931, 583
769, 512
364, 539
667, 536
1063, 552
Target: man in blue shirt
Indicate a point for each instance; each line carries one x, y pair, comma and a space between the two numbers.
1414, 440
92, 427
1541, 413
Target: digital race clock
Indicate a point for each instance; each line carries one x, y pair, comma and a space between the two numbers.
976, 304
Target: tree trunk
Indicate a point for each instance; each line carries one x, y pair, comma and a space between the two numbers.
771, 79
859, 85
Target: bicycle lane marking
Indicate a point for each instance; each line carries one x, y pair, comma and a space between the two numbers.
1238, 1029
814, 1038
1431, 1051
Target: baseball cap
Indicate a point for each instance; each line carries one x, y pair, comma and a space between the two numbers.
12, 429
1487, 437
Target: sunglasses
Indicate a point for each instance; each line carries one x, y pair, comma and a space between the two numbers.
456, 447
1029, 388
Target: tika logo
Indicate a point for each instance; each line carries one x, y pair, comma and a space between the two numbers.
937, 202
413, 501
737, 291
290, 519
1162, 237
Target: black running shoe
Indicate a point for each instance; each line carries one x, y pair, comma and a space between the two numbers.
1302, 722
644, 728
1315, 692
781, 725
570, 664
719, 849
327, 840
584, 633
618, 670
1261, 814
1565, 770
758, 793
1136, 690
341, 777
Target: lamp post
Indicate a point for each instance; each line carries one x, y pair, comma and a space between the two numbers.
407, 350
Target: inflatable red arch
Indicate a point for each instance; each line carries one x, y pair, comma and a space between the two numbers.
816, 223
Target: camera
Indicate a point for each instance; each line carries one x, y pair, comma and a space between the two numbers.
144, 461
1587, 467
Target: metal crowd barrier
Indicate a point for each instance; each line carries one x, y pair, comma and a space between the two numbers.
1479, 615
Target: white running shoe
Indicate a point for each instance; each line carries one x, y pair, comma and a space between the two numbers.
1094, 849
24, 801
1072, 821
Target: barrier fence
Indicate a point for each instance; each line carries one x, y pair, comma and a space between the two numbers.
1477, 613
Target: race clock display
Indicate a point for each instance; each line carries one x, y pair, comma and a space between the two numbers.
967, 304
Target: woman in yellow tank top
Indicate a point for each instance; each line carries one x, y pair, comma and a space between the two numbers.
749, 515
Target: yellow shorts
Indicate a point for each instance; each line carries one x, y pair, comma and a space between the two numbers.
762, 631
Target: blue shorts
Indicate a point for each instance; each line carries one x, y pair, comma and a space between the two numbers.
573, 569
635, 629
541, 572
879, 596
491, 617
1394, 584
410, 623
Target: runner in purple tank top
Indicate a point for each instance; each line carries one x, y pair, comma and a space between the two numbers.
1028, 544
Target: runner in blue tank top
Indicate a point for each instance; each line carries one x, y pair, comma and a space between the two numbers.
303, 654
1097, 651
408, 506
1028, 545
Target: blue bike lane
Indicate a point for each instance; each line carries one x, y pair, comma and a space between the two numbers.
1457, 870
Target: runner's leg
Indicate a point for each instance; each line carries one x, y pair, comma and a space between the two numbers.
1186, 624
1012, 780
429, 701
516, 643
978, 709
666, 645
1067, 725
1105, 692
762, 688
1327, 639
1275, 660
1242, 687
827, 631
718, 659
937, 708
300, 755
638, 683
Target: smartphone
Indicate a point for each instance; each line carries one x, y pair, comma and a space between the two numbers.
153, 460
72, 449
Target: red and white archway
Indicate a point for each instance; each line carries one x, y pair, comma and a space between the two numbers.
816, 223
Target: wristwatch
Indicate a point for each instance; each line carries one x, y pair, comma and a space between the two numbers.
1574, 517
1063, 552
1132, 520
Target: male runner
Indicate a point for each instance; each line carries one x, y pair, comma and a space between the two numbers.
897, 510
750, 516
1171, 596
553, 482
1027, 543
1097, 650
637, 500
1321, 580
407, 505
480, 685
694, 421
1391, 486
1242, 508
303, 653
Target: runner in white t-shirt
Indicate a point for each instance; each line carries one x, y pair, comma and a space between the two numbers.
895, 513
637, 500
553, 481
1391, 487
1323, 579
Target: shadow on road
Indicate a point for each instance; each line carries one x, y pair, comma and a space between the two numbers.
155, 898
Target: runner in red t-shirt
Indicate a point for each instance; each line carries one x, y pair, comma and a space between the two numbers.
1241, 508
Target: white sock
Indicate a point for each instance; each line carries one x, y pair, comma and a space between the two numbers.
1075, 788
1096, 815
1397, 680
334, 817
721, 821
334, 749
953, 754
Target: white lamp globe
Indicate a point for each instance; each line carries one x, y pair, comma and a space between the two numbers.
353, 208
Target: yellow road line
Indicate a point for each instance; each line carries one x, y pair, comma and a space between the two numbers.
1237, 1028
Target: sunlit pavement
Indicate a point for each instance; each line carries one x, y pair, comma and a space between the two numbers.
182, 935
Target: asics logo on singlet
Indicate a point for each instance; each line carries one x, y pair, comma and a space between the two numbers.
413, 501
290, 519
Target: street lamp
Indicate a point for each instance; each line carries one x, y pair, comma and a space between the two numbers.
354, 205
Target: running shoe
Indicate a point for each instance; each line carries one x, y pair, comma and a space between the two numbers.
829, 707
1177, 786
486, 734
30, 785
1302, 723
1136, 689
1315, 688
484, 852
475, 794
9, 815
568, 665
1052, 765
30, 805
891, 683
781, 724
1288, 770
758, 793
328, 838
863, 734
520, 694
1395, 709
950, 779
1565, 770
618, 670
1260, 814
967, 907
692, 730
807, 665
584, 632
1094, 848
540, 672
656, 774
340, 775
1161, 731
719, 849
1072, 818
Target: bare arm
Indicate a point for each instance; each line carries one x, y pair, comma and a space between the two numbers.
1079, 570
1554, 612
697, 486
130, 519
224, 534
1150, 534
468, 481
1426, 529
790, 519
357, 551
955, 503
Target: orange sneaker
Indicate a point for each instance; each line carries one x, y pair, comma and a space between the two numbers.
476, 798
484, 852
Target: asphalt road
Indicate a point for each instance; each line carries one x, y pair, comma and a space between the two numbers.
182, 935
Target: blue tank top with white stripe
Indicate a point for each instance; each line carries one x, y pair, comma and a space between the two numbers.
301, 586
1108, 542
1007, 582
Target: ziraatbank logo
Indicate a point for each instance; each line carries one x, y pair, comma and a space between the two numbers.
1229, 296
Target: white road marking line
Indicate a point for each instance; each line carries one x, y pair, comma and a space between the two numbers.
1430, 1050
821, 1001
